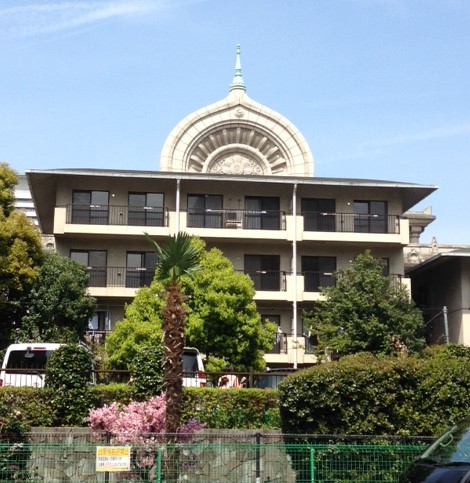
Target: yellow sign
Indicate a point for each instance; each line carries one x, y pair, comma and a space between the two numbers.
113, 458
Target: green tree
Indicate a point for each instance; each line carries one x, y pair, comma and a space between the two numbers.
125, 341
58, 304
8, 181
365, 312
141, 327
223, 320
177, 258
21, 254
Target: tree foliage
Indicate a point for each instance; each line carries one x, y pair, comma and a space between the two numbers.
68, 376
125, 341
58, 304
223, 320
365, 312
8, 181
142, 326
147, 371
20, 256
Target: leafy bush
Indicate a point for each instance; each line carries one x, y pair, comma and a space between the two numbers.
68, 375
13, 453
147, 372
233, 408
102, 394
33, 404
365, 394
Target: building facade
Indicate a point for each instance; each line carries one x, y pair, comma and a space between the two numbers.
241, 177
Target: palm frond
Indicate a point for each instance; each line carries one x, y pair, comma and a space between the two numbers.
179, 256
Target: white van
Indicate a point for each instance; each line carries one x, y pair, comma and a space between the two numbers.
193, 368
25, 364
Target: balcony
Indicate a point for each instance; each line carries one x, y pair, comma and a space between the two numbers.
351, 223
314, 280
280, 344
268, 280
128, 277
117, 215
236, 219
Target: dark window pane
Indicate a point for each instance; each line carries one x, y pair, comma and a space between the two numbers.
318, 272
370, 216
205, 211
319, 214
262, 213
146, 209
264, 271
95, 261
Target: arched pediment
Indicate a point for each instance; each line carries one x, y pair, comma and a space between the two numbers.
237, 136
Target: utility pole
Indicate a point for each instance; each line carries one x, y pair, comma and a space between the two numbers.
446, 324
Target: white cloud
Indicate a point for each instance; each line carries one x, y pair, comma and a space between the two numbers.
36, 19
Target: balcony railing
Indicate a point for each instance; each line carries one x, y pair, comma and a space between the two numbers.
280, 344
314, 280
117, 215
244, 219
130, 277
351, 222
96, 337
268, 280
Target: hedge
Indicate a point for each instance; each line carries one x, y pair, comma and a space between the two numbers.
365, 394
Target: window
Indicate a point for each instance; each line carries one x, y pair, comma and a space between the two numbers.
385, 263
98, 321
262, 213
140, 268
90, 207
318, 272
95, 262
205, 211
370, 216
146, 209
319, 214
264, 271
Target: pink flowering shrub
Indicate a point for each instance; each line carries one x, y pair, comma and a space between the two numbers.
133, 423
141, 424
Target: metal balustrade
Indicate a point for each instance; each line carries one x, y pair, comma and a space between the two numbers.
232, 219
243, 219
351, 222
117, 215
313, 280
268, 280
130, 277
280, 344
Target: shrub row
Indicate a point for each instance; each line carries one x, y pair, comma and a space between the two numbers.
217, 408
364, 394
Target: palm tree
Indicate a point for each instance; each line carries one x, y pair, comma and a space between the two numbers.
180, 256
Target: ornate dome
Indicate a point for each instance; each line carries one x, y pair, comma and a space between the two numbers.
237, 136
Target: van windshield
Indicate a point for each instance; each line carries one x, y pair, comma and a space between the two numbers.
28, 359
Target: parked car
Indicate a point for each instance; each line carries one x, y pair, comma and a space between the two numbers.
24, 364
447, 460
193, 368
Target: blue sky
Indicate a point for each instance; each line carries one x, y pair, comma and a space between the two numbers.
379, 88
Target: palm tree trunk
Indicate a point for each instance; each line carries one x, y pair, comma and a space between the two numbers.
173, 371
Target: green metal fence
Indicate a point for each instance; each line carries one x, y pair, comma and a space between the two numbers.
204, 462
